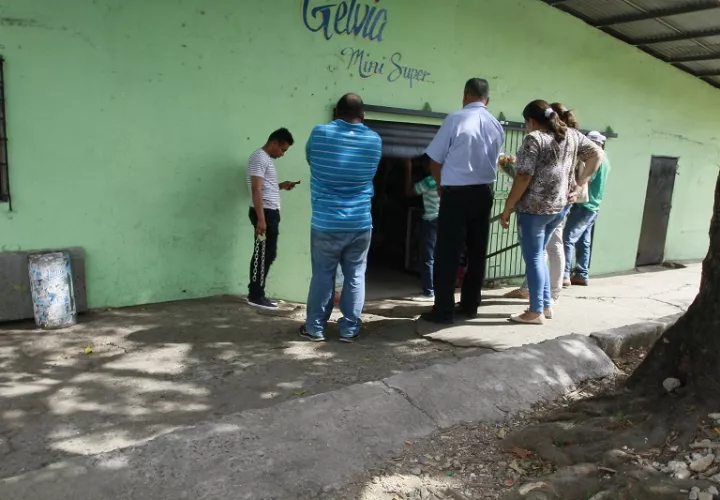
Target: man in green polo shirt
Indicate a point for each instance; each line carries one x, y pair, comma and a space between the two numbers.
581, 220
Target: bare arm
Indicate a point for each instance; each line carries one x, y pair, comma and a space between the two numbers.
520, 185
525, 170
435, 169
592, 155
592, 165
256, 184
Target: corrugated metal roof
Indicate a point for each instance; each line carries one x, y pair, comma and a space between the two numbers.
643, 29
685, 33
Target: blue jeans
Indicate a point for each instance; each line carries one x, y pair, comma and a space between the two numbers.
535, 232
428, 239
577, 238
350, 251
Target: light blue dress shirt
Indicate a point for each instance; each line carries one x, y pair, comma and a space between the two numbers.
468, 146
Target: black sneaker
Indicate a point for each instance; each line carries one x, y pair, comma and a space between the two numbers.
312, 338
263, 303
464, 312
350, 340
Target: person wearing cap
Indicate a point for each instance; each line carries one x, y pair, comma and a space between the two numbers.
581, 220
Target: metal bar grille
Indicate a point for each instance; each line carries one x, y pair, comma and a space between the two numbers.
4, 180
504, 259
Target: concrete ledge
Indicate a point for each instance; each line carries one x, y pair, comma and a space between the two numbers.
617, 342
304, 445
486, 388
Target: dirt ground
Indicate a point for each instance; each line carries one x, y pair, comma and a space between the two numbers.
470, 461
487, 461
153, 369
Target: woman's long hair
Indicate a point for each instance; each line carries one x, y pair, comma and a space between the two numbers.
541, 112
566, 115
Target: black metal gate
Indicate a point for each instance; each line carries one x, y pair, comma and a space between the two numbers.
504, 258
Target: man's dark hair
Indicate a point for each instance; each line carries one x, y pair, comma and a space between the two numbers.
350, 106
478, 87
282, 135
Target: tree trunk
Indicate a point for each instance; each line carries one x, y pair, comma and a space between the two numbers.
690, 350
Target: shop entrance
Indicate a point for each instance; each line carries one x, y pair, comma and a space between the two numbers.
393, 270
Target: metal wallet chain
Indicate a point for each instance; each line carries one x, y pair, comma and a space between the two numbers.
260, 244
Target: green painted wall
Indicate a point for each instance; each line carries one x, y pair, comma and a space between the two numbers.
130, 122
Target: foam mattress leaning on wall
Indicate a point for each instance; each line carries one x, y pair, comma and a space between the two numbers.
52, 289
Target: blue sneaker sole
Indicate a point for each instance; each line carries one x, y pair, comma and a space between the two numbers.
349, 340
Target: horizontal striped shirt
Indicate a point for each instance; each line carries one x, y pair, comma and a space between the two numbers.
431, 199
261, 165
343, 159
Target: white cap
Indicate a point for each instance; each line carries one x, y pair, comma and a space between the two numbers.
596, 136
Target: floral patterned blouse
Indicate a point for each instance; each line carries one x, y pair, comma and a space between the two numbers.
552, 167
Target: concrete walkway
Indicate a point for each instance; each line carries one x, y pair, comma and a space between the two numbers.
608, 303
169, 387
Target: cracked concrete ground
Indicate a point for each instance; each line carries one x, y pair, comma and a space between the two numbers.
609, 302
158, 368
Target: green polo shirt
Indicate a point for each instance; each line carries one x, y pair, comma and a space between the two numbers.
596, 186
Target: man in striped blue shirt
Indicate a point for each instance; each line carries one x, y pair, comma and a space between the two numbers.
343, 157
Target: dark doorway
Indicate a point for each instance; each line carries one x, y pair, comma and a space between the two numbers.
392, 262
658, 202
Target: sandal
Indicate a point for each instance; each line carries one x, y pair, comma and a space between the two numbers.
518, 318
547, 312
518, 293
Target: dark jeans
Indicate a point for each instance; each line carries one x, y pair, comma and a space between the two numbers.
428, 239
464, 219
258, 271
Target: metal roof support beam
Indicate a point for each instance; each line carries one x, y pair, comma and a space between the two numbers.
686, 59
658, 13
688, 35
712, 72
712, 82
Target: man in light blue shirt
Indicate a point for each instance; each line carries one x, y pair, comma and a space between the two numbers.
464, 156
343, 157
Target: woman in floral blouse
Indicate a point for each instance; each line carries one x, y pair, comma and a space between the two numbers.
543, 182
